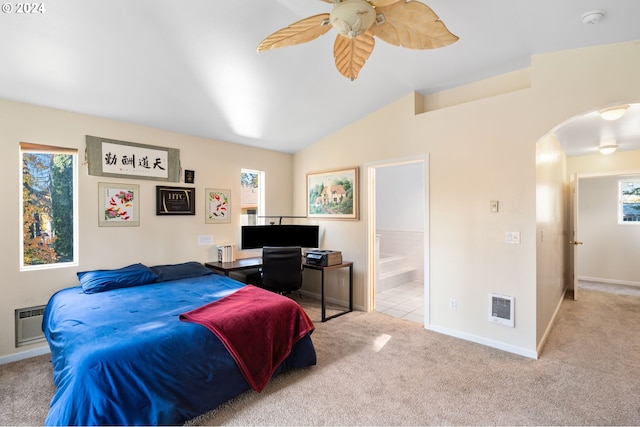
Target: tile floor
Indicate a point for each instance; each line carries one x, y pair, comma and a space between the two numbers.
407, 301
404, 301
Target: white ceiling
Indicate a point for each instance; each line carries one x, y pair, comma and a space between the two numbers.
191, 66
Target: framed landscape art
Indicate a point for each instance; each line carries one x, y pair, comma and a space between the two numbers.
333, 194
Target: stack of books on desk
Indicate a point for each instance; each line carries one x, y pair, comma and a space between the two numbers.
226, 253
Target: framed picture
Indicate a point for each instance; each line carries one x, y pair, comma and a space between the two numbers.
218, 206
189, 176
114, 158
333, 194
175, 200
118, 205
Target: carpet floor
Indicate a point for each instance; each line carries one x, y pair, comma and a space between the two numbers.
374, 369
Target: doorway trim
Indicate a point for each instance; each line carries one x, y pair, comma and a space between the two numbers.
370, 229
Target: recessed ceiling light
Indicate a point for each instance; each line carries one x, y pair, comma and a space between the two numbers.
613, 113
608, 147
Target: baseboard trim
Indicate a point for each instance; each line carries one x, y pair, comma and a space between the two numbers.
547, 332
614, 281
15, 357
485, 341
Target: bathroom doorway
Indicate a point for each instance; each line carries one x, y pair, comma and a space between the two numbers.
399, 235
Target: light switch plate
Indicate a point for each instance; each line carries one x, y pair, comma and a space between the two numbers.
512, 237
493, 206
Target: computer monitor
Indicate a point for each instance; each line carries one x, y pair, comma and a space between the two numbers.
258, 236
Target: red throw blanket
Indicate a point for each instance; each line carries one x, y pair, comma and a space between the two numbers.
258, 327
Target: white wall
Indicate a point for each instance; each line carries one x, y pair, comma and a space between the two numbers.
610, 251
158, 240
480, 149
400, 214
399, 197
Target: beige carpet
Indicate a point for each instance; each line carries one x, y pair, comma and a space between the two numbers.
378, 370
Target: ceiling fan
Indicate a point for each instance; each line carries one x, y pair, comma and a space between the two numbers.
406, 23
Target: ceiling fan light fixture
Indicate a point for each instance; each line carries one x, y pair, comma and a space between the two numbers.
613, 113
352, 18
608, 147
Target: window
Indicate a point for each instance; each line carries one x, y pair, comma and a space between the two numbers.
629, 211
252, 197
49, 206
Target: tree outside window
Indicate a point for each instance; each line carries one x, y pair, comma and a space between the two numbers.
251, 196
48, 206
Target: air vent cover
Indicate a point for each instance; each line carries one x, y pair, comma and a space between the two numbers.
501, 308
29, 325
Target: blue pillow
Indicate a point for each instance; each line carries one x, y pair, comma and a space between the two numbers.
185, 270
104, 280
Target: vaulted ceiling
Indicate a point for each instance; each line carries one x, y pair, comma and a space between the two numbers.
191, 66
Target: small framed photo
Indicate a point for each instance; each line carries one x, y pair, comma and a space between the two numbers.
333, 194
118, 205
217, 206
189, 176
175, 200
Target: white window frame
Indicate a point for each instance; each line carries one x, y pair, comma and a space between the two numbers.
31, 148
261, 209
621, 185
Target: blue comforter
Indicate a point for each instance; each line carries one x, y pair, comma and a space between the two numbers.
122, 357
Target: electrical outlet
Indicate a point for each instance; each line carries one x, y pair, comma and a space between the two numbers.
453, 304
342, 283
205, 240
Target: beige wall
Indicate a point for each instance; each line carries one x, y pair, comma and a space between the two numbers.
551, 231
159, 239
480, 149
620, 162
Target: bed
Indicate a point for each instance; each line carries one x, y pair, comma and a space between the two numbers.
132, 353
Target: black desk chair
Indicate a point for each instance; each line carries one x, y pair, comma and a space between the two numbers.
281, 269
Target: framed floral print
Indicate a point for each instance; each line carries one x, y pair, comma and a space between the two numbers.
217, 206
118, 205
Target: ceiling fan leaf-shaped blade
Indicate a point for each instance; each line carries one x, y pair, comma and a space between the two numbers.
382, 3
413, 25
352, 53
299, 32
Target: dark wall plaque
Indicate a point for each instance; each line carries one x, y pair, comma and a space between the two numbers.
175, 200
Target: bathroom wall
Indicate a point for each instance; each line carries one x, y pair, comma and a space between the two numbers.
400, 213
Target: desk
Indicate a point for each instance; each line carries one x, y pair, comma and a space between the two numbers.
322, 271
237, 265
252, 263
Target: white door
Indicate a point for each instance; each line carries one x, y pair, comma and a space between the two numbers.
573, 235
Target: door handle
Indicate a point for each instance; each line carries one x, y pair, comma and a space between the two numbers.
575, 242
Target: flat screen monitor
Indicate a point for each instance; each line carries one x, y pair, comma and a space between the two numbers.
258, 236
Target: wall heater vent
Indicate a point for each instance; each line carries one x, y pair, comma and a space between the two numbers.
29, 325
501, 308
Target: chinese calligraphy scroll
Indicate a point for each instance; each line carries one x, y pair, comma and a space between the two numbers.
109, 157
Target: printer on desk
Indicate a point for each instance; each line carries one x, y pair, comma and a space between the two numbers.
323, 258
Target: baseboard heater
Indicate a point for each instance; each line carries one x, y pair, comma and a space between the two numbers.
29, 325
